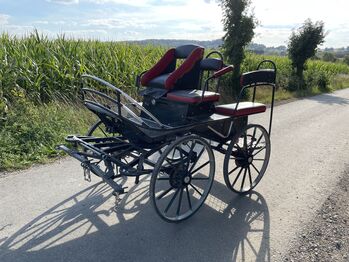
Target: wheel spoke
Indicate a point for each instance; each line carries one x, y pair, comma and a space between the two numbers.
259, 140
232, 171
188, 197
236, 158
180, 201
203, 165
243, 180
237, 177
198, 157
238, 147
171, 201
164, 193
200, 178
260, 150
180, 152
190, 153
245, 141
255, 168
102, 131
249, 175
197, 190
258, 159
253, 136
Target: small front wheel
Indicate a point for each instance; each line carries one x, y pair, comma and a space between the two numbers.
99, 129
246, 159
182, 178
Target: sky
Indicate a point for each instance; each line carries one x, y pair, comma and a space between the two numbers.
169, 19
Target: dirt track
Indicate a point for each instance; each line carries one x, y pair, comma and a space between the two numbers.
49, 213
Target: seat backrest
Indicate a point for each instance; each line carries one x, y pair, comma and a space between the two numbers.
258, 77
209, 65
186, 76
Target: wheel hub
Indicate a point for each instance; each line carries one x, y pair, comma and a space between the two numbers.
180, 178
186, 179
243, 159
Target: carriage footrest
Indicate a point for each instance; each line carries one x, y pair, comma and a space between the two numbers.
244, 109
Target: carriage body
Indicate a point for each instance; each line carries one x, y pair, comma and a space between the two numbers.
172, 133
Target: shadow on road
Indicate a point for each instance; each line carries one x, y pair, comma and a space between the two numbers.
330, 99
85, 227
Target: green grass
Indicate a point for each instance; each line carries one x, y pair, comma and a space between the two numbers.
40, 83
31, 132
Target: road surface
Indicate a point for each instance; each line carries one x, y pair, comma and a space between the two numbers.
48, 213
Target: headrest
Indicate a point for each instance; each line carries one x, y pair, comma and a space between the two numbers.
185, 50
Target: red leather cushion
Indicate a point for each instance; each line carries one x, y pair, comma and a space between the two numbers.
159, 67
192, 96
244, 109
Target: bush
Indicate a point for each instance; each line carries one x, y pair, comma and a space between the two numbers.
346, 59
295, 83
323, 82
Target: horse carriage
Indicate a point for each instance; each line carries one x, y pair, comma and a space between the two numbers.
173, 133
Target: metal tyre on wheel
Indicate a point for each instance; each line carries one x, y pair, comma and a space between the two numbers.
182, 178
246, 159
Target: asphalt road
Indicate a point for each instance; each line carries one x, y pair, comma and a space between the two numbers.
48, 213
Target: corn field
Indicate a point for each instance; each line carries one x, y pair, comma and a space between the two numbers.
41, 69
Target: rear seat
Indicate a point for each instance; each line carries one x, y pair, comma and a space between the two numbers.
244, 109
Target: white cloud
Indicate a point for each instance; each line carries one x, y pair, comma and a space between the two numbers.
135, 3
4, 19
295, 12
64, 2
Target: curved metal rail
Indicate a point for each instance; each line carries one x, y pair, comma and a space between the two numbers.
131, 101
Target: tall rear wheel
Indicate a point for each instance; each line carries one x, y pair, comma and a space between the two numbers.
246, 159
182, 178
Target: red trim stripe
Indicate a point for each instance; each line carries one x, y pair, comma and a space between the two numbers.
196, 55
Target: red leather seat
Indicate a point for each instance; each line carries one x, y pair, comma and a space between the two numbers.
244, 109
192, 96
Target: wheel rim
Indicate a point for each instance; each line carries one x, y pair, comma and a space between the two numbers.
182, 178
246, 159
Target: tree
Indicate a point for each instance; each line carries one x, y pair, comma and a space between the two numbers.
329, 57
238, 24
303, 45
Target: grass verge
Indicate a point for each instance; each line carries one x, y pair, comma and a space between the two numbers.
31, 132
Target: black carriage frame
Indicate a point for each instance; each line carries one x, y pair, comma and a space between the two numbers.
103, 156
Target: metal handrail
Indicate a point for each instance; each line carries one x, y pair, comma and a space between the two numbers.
127, 97
254, 85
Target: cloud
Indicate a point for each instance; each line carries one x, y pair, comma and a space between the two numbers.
137, 3
64, 2
4, 19
119, 23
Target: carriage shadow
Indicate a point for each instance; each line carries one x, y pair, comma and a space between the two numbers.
85, 227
